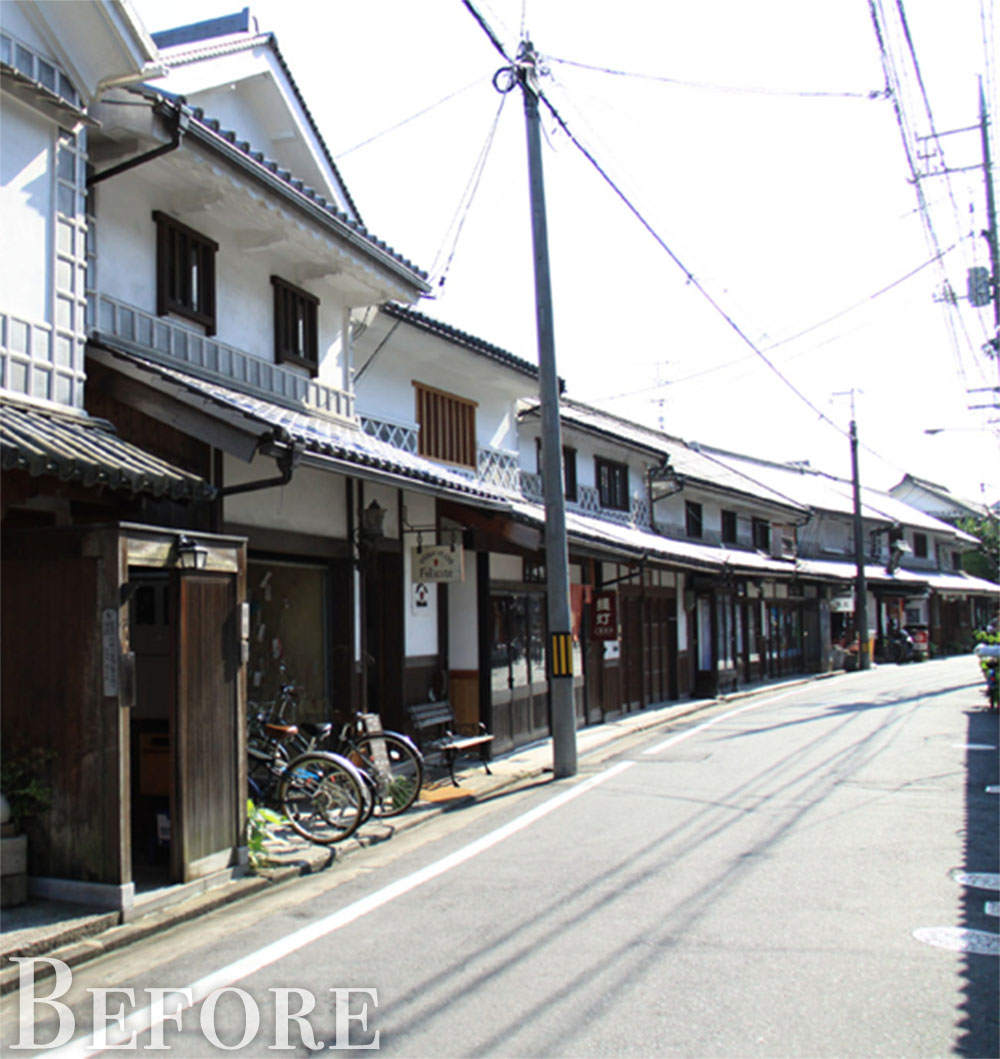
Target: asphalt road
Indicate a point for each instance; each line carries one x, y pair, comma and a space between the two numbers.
779, 876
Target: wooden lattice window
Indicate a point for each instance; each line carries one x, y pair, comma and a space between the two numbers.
447, 426
185, 272
295, 327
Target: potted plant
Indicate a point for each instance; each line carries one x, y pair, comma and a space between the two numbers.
24, 794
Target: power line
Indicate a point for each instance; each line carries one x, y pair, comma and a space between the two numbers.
895, 81
691, 278
412, 117
730, 89
468, 196
805, 331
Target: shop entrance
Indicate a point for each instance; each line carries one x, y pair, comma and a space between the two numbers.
519, 689
185, 790
149, 637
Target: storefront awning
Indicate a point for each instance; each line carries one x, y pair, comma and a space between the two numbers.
75, 447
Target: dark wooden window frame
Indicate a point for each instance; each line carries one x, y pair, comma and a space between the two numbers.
569, 468
185, 272
612, 483
921, 548
296, 326
693, 519
447, 426
730, 527
762, 535
569, 472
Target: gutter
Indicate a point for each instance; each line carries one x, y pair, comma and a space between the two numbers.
179, 122
286, 457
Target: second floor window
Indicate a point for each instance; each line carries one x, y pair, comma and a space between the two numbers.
569, 471
728, 527
569, 467
447, 426
612, 484
295, 329
762, 534
185, 272
920, 545
692, 518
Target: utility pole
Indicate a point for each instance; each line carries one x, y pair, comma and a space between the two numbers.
861, 589
860, 581
990, 232
556, 553
991, 223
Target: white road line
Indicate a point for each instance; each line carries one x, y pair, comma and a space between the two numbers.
960, 939
142, 1020
681, 736
979, 880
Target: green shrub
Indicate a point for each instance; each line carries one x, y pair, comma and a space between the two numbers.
260, 820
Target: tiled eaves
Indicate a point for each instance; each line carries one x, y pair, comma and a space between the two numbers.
192, 54
296, 187
345, 444
87, 451
461, 338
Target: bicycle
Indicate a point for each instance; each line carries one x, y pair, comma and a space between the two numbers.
390, 758
321, 794
390, 764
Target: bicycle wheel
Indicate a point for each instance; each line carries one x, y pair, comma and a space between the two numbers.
321, 795
396, 766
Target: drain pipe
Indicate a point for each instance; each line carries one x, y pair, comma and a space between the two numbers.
178, 120
287, 458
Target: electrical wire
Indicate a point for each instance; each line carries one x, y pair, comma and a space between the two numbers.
465, 203
894, 81
412, 117
799, 334
891, 90
729, 89
954, 320
691, 278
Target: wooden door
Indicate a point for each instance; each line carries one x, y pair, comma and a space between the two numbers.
632, 648
205, 816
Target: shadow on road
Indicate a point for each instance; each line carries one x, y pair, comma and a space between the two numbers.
978, 1024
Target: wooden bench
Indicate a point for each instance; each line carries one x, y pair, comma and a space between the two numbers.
429, 718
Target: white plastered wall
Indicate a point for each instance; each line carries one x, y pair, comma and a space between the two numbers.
312, 502
422, 622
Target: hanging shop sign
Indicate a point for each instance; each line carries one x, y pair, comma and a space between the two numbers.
437, 562
842, 603
604, 616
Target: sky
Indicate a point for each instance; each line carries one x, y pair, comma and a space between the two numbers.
746, 245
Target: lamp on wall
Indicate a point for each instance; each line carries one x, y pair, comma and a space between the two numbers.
190, 554
373, 522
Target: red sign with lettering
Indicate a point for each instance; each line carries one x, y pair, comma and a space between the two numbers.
604, 616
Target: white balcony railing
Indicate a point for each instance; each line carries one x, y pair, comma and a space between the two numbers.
173, 343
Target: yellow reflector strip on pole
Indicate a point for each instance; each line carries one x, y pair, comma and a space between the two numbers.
561, 655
